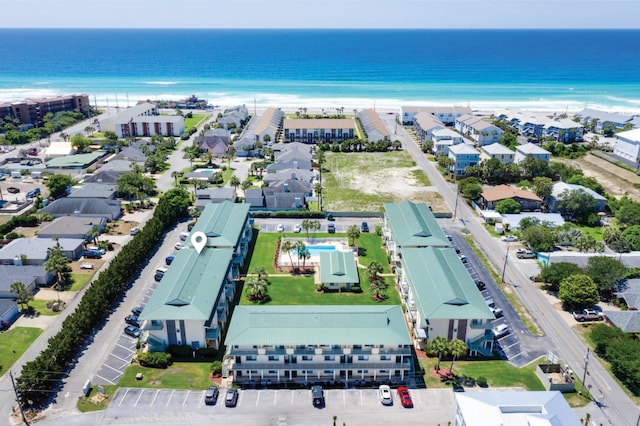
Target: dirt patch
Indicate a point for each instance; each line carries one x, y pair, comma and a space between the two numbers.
616, 180
27, 231
121, 227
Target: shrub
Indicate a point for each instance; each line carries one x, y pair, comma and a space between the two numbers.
180, 351
216, 368
154, 359
482, 382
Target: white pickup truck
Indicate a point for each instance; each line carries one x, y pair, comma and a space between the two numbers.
587, 315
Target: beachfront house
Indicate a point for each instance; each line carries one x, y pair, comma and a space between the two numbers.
424, 125
497, 151
443, 139
318, 344
142, 120
526, 123
531, 150
373, 127
481, 130
446, 115
628, 145
316, 130
338, 270
564, 130
463, 156
602, 119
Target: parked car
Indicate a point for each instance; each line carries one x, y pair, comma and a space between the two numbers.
132, 320
330, 217
178, 246
137, 310
92, 254
509, 238
405, 397
364, 227
132, 331
86, 266
280, 228
211, 396
480, 284
134, 230
13, 190
33, 192
462, 258
500, 330
449, 237
183, 236
168, 260
525, 254
385, 395
497, 312
317, 395
231, 397
297, 228
98, 249
331, 228
587, 315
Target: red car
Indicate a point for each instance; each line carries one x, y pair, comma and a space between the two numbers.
405, 398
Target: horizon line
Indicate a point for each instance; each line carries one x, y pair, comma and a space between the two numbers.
335, 28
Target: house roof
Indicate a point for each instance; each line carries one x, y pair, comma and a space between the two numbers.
270, 120
23, 273
631, 135
627, 321
295, 164
75, 161
105, 176
563, 123
603, 116
318, 325
94, 190
555, 219
426, 121
436, 110
216, 193
445, 133
36, 248
560, 187
84, 206
338, 267
372, 123
413, 225
131, 153
502, 192
191, 287
463, 148
533, 149
289, 174
497, 149
116, 166
223, 223
73, 225
515, 408
292, 185
284, 200
442, 287
319, 123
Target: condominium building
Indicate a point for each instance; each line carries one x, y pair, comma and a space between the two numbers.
143, 120
316, 130
33, 111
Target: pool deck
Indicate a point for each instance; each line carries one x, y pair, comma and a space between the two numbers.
286, 260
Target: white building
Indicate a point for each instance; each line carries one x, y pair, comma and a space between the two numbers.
463, 156
446, 115
498, 151
628, 145
529, 149
483, 132
443, 139
142, 120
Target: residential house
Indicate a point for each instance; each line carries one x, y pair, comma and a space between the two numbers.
447, 115
528, 200
76, 161
483, 132
94, 190
512, 221
628, 320
8, 311
463, 156
78, 228
269, 125
525, 122
533, 150
255, 198
233, 117
603, 119
564, 130
424, 125
289, 174
214, 195
142, 120
296, 152
216, 144
628, 145
560, 187
443, 139
246, 147
31, 276
513, 408
338, 270
84, 207
318, 344
315, 130
36, 250
290, 164
373, 127
105, 175
497, 151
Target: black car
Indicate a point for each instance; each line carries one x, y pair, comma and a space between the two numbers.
364, 227
211, 396
318, 396
92, 254
231, 397
132, 320
331, 228
480, 284
132, 331
137, 310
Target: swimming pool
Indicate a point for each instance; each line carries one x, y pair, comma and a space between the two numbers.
315, 250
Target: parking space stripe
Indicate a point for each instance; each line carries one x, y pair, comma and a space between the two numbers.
139, 396
123, 397
275, 397
105, 379
170, 396
361, 400
185, 398
293, 393
108, 366
120, 358
258, 398
154, 397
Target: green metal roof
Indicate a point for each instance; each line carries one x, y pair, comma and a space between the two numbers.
338, 267
74, 161
191, 287
413, 225
441, 286
222, 222
318, 325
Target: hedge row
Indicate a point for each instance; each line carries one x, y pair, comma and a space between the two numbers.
305, 214
29, 220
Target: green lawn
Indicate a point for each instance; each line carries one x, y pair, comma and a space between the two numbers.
296, 290
420, 177
13, 343
85, 405
191, 122
180, 375
371, 249
264, 251
41, 306
79, 281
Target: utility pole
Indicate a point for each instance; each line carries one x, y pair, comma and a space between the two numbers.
15, 390
584, 376
506, 258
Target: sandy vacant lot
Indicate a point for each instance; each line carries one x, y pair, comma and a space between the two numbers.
365, 181
616, 180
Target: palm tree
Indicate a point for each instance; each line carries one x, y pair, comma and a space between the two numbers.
234, 182
256, 288
318, 188
287, 247
231, 153
260, 271
315, 227
377, 283
89, 129
352, 234
24, 296
457, 348
209, 157
175, 175
306, 225
299, 248
440, 346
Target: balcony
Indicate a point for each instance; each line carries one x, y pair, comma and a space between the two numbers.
329, 365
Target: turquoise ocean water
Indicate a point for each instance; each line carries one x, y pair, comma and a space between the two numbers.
543, 69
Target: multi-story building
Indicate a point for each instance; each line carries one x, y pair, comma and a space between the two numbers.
531, 150
443, 139
441, 298
269, 125
143, 120
32, 111
463, 156
564, 130
424, 124
628, 145
447, 115
497, 151
191, 306
483, 132
318, 344
316, 130
373, 127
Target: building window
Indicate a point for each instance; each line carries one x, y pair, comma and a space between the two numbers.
251, 358
329, 357
385, 358
274, 358
328, 371
307, 358
273, 372
363, 357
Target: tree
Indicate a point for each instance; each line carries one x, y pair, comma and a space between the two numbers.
439, 346
260, 271
287, 247
376, 282
352, 234
470, 188
577, 292
306, 225
577, 203
231, 154
176, 175
80, 143
256, 288
632, 237
317, 187
508, 206
543, 187
457, 348
299, 247
540, 238
602, 335
628, 213
58, 185
556, 272
606, 272
234, 182
58, 263
23, 295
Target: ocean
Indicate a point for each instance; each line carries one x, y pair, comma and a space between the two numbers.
484, 69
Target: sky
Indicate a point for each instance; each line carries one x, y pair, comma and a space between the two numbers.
320, 14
